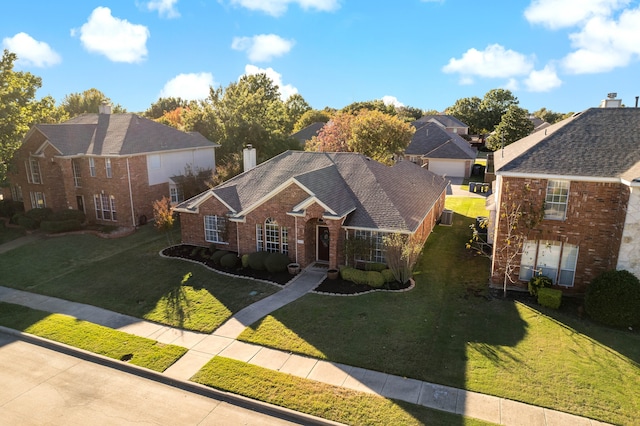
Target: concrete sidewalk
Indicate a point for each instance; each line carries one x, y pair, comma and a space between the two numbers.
203, 347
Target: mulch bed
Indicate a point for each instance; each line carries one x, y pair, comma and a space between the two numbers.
337, 286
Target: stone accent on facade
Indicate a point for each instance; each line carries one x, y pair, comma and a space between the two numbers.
630, 245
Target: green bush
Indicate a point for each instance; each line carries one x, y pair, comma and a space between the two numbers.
229, 261
68, 214
16, 218
58, 226
9, 207
354, 275
537, 282
212, 248
550, 297
195, 251
27, 222
388, 276
215, 257
613, 298
375, 279
276, 262
39, 214
378, 267
257, 259
245, 260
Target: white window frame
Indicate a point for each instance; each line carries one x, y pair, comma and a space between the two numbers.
105, 206
214, 227
33, 171
553, 259
259, 237
77, 175
16, 193
107, 167
377, 254
175, 193
92, 167
556, 199
38, 200
272, 237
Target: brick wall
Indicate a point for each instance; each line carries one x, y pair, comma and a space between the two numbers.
594, 222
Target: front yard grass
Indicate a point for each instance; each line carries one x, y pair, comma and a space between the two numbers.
90, 337
448, 331
8, 233
127, 275
319, 399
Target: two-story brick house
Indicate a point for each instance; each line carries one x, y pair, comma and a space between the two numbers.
582, 176
306, 204
111, 166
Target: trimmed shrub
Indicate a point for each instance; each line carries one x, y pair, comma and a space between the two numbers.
375, 279
354, 275
388, 276
277, 262
537, 282
378, 267
245, 260
613, 298
27, 222
257, 259
58, 226
550, 297
215, 257
229, 261
39, 214
195, 251
68, 214
9, 207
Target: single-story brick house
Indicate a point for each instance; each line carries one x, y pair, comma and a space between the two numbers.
439, 150
111, 166
582, 176
305, 204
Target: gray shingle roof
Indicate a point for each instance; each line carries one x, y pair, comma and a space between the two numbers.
118, 134
599, 142
308, 132
370, 194
432, 141
444, 119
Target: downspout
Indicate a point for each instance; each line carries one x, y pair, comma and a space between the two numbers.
133, 215
296, 222
238, 237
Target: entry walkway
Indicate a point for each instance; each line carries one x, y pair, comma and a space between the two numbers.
203, 347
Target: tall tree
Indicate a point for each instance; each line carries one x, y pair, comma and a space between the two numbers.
409, 114
19, 108
310, 117
494, 105
87, 102
550, 116
515, 124
334, 136
296, 107
163, 106
467, 110
374, 105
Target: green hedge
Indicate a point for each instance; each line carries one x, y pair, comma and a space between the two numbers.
215, 257
54, 227
257, 259
375, 279
276, 262
68, 214
9, 207
39, 214
229, 260
25, 221
538, 282
550, 297
388, 276
613, 298
245, 260
378, 267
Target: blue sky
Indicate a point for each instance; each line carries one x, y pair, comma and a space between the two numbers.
565, 55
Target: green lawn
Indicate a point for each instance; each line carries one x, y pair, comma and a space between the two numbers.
127, 275
7, 234
90, 337
445, 331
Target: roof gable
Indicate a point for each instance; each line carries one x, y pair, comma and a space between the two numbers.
432, 141
445, 120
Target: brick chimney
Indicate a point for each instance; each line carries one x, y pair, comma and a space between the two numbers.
104, 108
249, 157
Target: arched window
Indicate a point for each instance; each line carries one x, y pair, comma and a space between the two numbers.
274, 239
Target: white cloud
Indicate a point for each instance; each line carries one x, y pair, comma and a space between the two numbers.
493, 62
286, 90
543, 80
512, 85
279, 7
556, 14
30, 51
165, 8
193, 86
392, 100
604, 44
117, 39
263, 47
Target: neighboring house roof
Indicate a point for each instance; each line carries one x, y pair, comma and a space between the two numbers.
446, 120
432, 141
597, 143
308, 132
538, 123
366, 193
117, 134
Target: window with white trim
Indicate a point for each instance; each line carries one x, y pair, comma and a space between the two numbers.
77, 176
259, 238
555, 203
107, 166
105, 207
37, 200
33, 171
214, 228
16, 192
176, 194
553, 259
92, 167
375, 251
272, 237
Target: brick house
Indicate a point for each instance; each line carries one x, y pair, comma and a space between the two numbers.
305, 204
446, 122
111, 166
582, 176
440, 150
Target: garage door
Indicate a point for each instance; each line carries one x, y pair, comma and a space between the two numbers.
447, 167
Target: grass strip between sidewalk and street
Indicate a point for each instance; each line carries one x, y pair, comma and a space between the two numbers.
319, 399
91, 337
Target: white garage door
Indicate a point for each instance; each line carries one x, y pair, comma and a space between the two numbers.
447, 167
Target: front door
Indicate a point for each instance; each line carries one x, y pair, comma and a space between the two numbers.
323, 244
80, 201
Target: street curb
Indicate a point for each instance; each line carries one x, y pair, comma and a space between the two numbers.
238, 400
